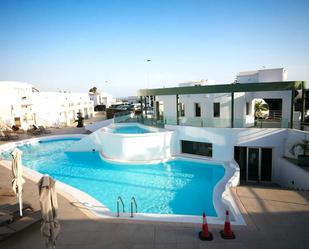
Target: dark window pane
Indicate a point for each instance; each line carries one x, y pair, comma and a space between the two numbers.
247, 108
266, 164
253, 164
197, 109
216, 109
196, 148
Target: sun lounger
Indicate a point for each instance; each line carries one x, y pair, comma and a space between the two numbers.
13, 223
44, 130
33, 131
7, 135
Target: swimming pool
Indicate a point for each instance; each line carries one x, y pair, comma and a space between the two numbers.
182, 187
132, 129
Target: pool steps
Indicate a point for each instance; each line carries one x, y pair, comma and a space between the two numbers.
133, 201
133, 204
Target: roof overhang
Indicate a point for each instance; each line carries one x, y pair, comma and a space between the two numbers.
226, 88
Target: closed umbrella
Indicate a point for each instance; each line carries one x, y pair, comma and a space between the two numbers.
49, 207
18, 180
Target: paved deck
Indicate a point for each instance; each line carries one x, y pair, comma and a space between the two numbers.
276, 218
63, 130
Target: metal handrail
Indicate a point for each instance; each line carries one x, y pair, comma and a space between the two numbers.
120, 200
133, 201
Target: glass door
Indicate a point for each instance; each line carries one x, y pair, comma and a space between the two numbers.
266, 164
253, 164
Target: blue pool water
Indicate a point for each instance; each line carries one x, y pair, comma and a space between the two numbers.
175, 187
134, 129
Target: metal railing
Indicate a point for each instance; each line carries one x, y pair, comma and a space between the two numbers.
119, 200
133, 201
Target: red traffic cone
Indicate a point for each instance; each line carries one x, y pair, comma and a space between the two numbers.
227, 233
205, 234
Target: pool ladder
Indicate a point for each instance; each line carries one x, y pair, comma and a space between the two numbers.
133, 204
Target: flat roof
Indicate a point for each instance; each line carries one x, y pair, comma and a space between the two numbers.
226, 88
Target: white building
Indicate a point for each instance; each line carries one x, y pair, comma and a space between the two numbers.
213, 108
102, 98
16, 105
205, 118
61, 108
23, 105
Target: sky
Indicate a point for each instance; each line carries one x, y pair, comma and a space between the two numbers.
74, 45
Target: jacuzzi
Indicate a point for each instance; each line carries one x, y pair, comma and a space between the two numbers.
119, 142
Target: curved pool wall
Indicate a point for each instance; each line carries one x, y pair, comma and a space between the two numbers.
158, 144
222, 196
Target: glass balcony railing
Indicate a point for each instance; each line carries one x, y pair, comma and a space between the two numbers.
198, 121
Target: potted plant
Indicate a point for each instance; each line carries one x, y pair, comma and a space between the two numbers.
302, 159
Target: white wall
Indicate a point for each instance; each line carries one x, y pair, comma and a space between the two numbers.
294, 137
98, 125
129, 147
224, 139
272, 75
291, 175
264, 75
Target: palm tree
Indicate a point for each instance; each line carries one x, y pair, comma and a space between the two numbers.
93, 90
260, 107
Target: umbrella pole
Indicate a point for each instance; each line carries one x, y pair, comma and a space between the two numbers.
20, 205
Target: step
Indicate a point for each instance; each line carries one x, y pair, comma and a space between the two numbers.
25, 221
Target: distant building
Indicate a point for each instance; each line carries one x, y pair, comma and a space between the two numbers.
263, 75
16, 104
61, 108
23, 105
102, 98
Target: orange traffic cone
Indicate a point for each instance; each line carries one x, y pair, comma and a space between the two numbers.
205, 234
227, 233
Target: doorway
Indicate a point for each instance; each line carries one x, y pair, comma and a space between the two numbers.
255, 163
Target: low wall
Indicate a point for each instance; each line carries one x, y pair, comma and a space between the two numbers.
291, 175
95, 126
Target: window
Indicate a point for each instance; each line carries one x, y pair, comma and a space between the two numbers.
181, 109
197, 109
247, 108
196, 148
216, 110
